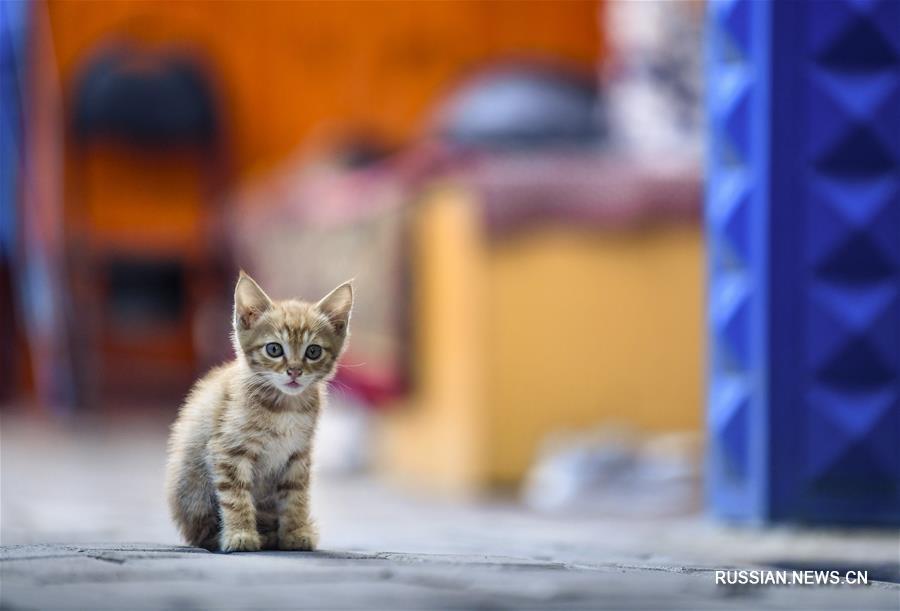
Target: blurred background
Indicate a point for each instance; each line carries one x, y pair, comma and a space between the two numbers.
517, 189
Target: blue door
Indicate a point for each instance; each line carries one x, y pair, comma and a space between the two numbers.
803, 227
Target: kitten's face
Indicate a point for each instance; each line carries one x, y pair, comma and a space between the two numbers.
290, 345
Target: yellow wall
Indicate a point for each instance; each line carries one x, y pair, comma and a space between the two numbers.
548, 330
437, 439
591, 327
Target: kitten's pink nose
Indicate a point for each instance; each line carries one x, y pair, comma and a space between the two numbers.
294, 372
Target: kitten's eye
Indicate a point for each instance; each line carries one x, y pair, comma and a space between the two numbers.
313, 351
274, 349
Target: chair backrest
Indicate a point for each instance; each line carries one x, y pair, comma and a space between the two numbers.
145, 98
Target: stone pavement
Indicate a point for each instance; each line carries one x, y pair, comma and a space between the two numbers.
83, 526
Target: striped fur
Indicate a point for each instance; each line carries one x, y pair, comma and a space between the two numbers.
238, 470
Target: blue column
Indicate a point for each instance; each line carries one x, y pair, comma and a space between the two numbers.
803, 227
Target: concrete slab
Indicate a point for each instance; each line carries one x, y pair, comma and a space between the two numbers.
383, 547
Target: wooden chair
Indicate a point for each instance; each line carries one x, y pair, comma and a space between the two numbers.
146, 253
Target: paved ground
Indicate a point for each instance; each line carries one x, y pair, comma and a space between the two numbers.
84, 526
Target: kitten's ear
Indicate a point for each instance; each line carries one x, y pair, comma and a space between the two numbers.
249, 301
337, 305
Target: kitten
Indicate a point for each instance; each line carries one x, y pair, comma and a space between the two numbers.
238, 467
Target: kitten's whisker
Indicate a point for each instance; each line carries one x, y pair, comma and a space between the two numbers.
342, 386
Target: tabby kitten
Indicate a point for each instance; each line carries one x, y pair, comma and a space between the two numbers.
239, 453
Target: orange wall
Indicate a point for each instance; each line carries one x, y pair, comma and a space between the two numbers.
288, 67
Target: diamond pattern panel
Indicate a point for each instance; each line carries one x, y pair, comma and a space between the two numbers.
803, 225
734, 300
731, 422
837, 312
839, 430
852, 198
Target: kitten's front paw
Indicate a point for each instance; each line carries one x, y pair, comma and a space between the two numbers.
240, 541
269, 539
304, 539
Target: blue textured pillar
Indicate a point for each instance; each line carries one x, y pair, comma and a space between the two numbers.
803, 226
